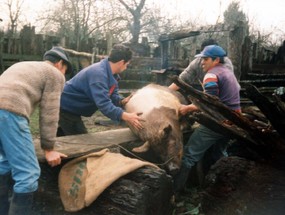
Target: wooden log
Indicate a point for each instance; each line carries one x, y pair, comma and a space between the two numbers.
83, 54
178, 35
78, 145
146, 191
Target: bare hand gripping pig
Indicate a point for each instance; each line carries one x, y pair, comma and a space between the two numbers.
162, 131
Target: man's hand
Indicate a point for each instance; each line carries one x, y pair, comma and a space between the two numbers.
173, 86
133, 119
53, 157
184, 109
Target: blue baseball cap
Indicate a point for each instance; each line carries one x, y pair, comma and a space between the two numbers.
212, 51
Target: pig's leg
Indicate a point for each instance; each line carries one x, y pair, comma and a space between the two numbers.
142, 148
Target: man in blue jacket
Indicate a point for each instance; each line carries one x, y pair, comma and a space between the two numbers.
96, 88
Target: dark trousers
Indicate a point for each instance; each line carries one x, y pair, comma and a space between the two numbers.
70, 124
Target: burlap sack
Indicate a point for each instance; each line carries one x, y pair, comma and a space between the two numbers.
83, 179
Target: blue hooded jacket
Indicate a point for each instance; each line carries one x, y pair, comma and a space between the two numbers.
93, 88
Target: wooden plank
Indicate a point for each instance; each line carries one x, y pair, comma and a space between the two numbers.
264, 82
178, 35
273, 108
78, 145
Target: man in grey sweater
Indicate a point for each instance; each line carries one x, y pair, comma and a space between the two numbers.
194, 74
23, 87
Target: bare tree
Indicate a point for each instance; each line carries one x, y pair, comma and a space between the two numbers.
146, 20
71, 19
15, 10
137, 14
117, 20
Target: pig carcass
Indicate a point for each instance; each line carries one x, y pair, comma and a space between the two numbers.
162, 131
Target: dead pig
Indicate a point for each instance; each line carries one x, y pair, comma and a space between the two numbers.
162, 133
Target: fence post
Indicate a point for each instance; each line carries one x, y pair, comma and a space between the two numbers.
236, 42
93, 59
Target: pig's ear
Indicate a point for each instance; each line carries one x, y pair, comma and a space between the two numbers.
167, 129
163, 132
145, 147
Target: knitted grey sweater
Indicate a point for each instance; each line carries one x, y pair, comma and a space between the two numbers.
25, 85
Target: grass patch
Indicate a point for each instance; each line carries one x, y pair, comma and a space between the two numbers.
34, 123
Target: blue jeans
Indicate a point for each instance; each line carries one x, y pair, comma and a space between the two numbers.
17, 152
199, 142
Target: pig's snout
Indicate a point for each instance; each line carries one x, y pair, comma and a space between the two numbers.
173, 168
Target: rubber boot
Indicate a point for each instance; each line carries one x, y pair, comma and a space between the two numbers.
21, 203
4, 194
180, 179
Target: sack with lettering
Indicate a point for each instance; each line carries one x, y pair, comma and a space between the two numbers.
83, 179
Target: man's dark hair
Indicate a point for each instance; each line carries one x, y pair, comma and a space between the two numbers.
222, 59
208, 42
120, 52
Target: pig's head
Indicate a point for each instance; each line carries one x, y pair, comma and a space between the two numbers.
163, 135
170, 146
